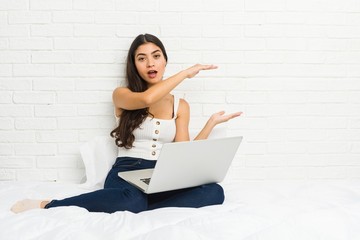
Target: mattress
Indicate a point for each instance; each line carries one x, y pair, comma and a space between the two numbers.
252, 211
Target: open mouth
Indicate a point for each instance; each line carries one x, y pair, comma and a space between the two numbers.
152, 73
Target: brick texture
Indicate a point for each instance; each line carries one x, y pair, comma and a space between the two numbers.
292, 67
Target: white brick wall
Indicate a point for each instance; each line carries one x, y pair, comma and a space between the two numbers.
292, 67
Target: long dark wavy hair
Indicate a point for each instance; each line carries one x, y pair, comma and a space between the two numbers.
131, 119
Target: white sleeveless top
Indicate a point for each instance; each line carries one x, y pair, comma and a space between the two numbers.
151, 135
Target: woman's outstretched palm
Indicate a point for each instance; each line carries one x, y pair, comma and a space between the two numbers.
220, 117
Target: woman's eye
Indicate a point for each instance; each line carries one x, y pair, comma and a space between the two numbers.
141, 59
157, 56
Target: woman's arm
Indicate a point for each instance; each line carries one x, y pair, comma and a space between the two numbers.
124, 98
214, 120
182, 122
183, 119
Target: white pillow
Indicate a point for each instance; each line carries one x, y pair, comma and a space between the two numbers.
100, 153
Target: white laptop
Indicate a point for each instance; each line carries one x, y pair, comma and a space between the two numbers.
186, 164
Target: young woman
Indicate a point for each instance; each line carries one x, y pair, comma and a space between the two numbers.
148, 116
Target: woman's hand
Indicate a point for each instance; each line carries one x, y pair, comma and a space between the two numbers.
219, 117
215, 119
194, 70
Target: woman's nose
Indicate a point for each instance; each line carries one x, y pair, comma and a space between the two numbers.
150, 64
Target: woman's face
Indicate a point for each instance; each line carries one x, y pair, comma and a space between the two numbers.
150, 63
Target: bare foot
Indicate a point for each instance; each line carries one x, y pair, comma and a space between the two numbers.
27, 204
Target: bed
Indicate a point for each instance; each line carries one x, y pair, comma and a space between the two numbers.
253, 210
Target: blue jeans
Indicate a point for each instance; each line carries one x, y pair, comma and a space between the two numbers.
119, 195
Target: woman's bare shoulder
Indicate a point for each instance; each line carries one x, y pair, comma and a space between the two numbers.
121, 90
184, 106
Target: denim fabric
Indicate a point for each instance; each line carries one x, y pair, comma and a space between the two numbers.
119, 195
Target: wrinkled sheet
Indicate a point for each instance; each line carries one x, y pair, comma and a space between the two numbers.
252, 211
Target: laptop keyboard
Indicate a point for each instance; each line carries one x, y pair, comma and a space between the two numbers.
146, 180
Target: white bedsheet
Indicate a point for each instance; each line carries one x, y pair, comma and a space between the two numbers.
252, 211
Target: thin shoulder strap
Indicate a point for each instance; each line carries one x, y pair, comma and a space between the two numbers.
176, 105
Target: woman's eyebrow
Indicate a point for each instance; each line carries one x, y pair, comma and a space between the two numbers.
140, 54
155, 51
145, 54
